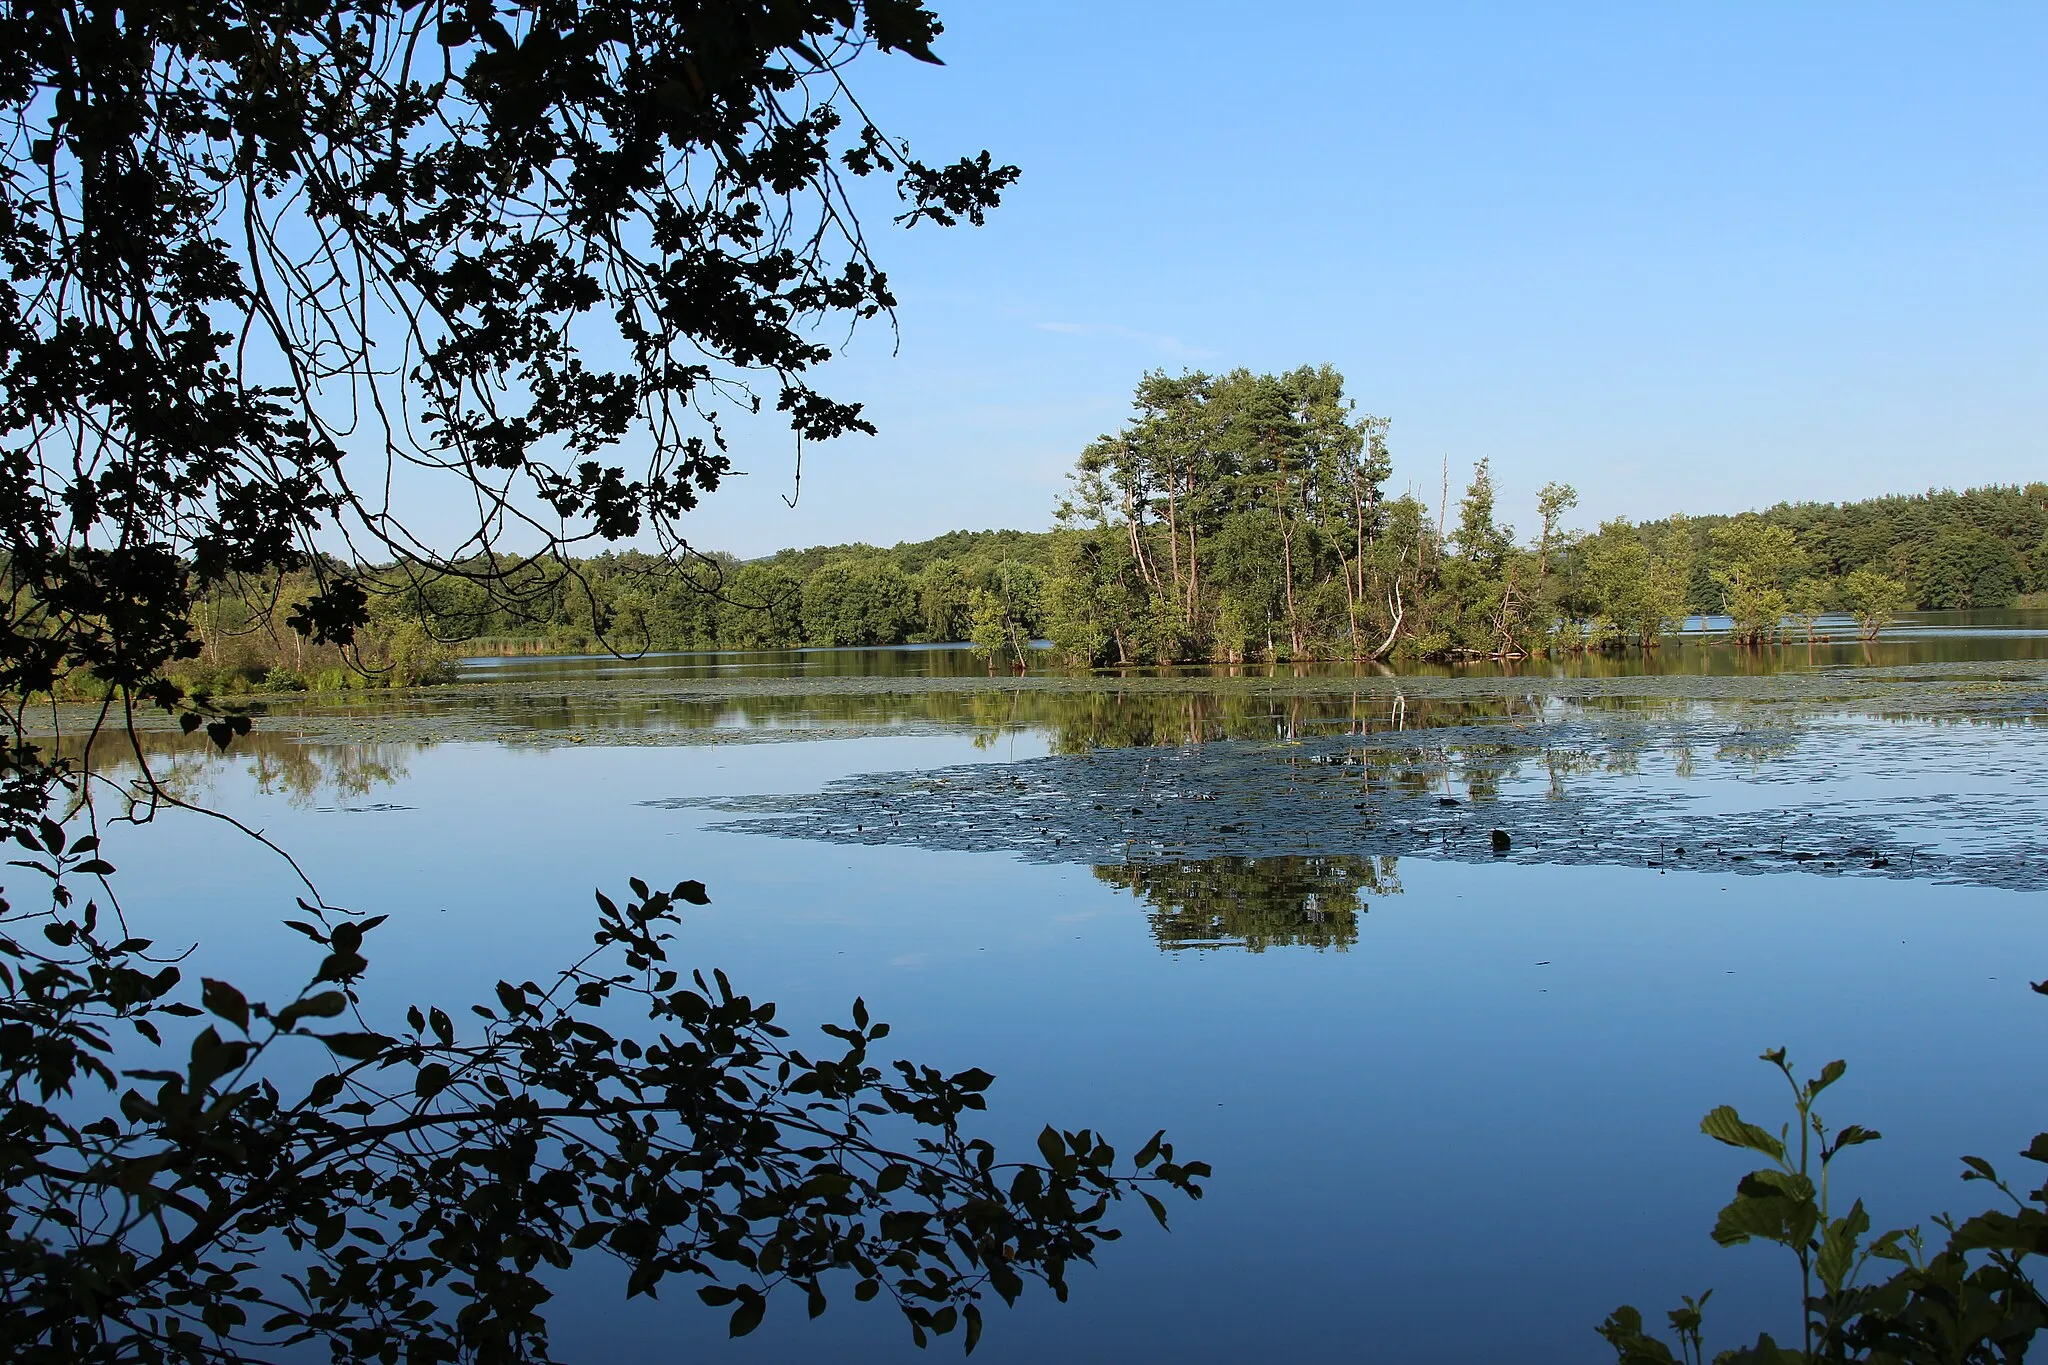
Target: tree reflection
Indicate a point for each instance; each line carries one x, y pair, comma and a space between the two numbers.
1309, 901
307, 775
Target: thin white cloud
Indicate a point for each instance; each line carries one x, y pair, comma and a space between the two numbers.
1157, 341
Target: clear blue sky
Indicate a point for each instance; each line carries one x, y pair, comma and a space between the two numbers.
1684, 256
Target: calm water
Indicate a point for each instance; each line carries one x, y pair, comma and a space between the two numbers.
1451, 1100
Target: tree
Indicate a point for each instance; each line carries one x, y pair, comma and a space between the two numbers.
1639, 590
1874, 599
1758, 562
1478, 539
1967, 568
1811, 598
942, 600
1552, 503
1216, 517
259, 257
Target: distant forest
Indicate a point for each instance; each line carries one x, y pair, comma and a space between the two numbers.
1235, 517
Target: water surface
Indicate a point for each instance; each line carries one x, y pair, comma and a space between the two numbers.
1450, 1093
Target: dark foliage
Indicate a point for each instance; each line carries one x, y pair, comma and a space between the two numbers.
270, 266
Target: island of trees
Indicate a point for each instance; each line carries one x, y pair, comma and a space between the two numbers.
1235, 517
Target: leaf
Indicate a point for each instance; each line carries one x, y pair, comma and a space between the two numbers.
1838, 1247
695, 894
360, 1047
212, 1058
324, 1005
1723, 1124
224, 1000
747, 1316
1152, 1203
1773, 1219
431, 1080
1765, 1352
2026, 1231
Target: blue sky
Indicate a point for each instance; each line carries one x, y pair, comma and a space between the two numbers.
1682, 256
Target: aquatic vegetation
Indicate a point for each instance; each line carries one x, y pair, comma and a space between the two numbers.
1794, 782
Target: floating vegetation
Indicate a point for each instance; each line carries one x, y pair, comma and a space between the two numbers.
1092, 711
1917, 771
1745, 789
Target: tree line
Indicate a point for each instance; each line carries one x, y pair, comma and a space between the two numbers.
1235, 517
1243, 516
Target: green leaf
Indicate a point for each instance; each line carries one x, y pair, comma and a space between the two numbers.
1888, 1248
1723, 1124
1773, 1219
1765, 1352
1838, 1247
2025, 1231
695, 894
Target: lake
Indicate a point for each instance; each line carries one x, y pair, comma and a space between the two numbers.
1450, 1089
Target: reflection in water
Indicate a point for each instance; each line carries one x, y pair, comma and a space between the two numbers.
731, 698
1797, 770
307, 776
1256, 903
1914, 638
1788, 788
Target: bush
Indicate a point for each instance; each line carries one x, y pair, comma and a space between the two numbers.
1971, 1302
